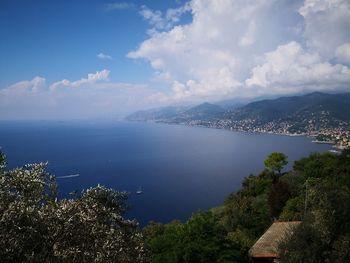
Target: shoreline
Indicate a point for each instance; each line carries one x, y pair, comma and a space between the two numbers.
310, 136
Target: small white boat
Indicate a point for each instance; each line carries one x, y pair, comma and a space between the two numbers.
139, 191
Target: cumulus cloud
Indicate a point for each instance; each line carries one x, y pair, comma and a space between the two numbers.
292, 69
28, 86
343, 53
160, 21
241, 48
250, 48
326, 25
93, 96
92, 78
104, 56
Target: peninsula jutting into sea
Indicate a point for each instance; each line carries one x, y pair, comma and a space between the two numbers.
324, 117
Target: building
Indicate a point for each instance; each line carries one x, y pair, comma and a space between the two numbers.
266, 248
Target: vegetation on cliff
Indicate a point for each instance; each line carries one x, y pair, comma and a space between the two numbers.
36, 226
316, 191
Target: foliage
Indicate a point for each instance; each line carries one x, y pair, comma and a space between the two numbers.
276, 161
2, 161
278, 196
201, 239
227, 233
37, 227
293, 209
325, 233
223, 235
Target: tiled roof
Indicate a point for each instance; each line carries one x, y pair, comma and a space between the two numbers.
267, 244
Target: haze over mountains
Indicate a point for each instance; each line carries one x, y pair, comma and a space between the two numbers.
334, 107
289, 114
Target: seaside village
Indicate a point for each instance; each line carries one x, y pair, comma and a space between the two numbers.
338, 136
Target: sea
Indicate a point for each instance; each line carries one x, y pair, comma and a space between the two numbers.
179, 169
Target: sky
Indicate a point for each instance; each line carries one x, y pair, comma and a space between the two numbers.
64, 59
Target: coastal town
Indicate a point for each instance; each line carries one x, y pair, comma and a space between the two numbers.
325, 118
321, 132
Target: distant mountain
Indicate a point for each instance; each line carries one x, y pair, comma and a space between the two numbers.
313, 113
158, 114
297, 114
203, 111
325, 116
336, 106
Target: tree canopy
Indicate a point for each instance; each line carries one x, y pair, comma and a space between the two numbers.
276, 161
227, 232
35, 226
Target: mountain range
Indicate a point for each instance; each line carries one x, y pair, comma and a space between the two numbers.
329, 109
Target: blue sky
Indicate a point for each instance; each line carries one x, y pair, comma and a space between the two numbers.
78, 59
60, 39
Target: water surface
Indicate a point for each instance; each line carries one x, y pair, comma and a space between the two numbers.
180, 169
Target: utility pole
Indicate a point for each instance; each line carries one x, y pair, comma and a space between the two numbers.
306, 197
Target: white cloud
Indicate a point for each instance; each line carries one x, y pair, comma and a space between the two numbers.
217, 43
241, 48
160, 21
291, 69
93, 96
153, 17
92, 78
104, 56
343, 53
33, 86
119, 6
327, 24
248, 38
238, 48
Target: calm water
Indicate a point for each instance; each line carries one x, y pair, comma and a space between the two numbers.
180, 169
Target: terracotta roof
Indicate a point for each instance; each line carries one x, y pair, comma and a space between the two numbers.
267, 244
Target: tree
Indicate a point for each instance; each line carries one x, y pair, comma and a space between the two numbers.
278, 196
276, 161
324, 235
37, 227
2, 160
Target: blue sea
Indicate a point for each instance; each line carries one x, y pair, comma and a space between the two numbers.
180, 169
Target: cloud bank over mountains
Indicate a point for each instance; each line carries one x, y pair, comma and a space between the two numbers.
229, 49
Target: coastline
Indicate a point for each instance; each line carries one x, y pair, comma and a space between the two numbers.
308, 135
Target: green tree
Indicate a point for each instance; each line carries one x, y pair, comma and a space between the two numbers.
37, 227
276, 161
324, 235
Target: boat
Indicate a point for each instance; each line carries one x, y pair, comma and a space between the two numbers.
139, 191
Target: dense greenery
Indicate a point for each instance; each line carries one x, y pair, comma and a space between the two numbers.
325, 233
226, 233
37, 227
276, 161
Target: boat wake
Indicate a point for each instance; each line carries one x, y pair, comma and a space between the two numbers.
68, 176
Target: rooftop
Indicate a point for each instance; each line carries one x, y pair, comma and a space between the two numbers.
267, 244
